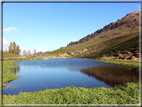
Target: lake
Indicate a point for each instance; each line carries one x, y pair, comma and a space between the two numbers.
38, 75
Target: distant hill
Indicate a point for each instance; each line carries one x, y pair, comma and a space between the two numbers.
42, 53
6, 54
118, 40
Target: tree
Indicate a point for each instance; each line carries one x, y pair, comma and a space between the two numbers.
14, 48
29, 53
34, 55
18, 51
6, 50
10, 47
25, 53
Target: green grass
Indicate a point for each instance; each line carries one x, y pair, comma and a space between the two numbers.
23, 59
6, 54
123, 44
8, 75
123, 94
122, 62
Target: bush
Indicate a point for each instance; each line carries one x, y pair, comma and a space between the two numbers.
123, 57
129, 58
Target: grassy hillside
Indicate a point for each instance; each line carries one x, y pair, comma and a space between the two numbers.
119, 39
122, 47
6, 54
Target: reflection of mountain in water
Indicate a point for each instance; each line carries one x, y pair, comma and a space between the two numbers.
15, 70
113, 75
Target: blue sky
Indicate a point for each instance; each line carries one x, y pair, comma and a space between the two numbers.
49, 26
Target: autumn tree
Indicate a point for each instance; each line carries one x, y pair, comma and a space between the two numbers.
34, 55
25, 53
18, 51
10, 47
13, 48
29, 53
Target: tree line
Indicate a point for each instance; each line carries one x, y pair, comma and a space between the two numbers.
15, 49
28, 54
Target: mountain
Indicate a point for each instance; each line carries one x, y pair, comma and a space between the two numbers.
130, 21
41, 53
117, 40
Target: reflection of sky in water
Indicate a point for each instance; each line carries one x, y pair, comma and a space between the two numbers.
56, 73
11, 86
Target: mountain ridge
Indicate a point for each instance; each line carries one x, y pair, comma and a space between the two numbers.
41, 53
110, 26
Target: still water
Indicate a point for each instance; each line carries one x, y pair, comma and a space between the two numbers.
38, 75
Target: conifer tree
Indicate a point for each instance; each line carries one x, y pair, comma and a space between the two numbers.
34, 53
25, 53
14, 48
10, 47
29, 53
18, 51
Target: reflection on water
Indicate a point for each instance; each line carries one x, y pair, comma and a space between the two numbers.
15, 70
37, 75
113, 75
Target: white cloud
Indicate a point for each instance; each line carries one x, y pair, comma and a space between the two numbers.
10, 29
41, 49
5, 42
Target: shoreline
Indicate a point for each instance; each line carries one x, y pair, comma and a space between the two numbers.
22, 97
121, 62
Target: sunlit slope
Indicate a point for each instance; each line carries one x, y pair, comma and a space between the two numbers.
105, 39
6, 54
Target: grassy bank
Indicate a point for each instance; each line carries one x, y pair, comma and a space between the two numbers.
122, 94
23, 59
122, 62
8, 75
8, 64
